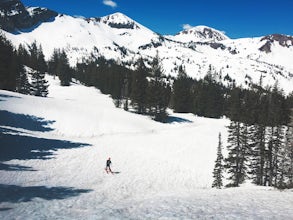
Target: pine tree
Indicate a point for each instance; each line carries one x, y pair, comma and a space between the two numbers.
125, 92
284, 163
22, 83
258, 153
23, 55
63, 69
238, 153
138, 87
289, 152
59, 65
39, 86
235, 103
53, 62
7, 65
182, 101
158, 92
218, 169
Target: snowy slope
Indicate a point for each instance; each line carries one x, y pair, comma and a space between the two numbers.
164, 171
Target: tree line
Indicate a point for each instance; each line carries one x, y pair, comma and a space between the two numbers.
260, 139
143, 90
23, 69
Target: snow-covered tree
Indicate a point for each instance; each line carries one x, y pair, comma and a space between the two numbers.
39, 85
287, 158
238, 153
258, 153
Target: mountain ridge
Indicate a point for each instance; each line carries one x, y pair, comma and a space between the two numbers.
116, 36
14, 16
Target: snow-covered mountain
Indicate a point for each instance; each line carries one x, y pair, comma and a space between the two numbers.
119, 37
200, 34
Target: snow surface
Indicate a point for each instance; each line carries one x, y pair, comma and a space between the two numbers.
164, 171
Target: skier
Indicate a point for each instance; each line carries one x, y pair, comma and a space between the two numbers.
108, 164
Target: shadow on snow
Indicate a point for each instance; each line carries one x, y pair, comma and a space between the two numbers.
27, 147
16, 145
16, 194
28, 30
172, 119
13, 167
27, 122
7, 96
4, 209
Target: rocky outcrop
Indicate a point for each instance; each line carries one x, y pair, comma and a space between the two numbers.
283, 40
14, 16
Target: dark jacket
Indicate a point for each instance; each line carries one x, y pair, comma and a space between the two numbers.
108, 163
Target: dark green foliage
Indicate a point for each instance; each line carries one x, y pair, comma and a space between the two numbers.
258, 153
205, 97
218, 169
265, 112
287, 158
12, 74
208, 98
59, 65
158, 92
37, 58
23, 55
139, 85
182, 96
39, 85
8, 65
284, 166
147, 90
22, 83
238, 153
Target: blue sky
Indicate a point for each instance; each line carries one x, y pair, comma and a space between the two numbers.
237, 18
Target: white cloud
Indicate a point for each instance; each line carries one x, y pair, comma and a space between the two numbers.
186, 26
110, 3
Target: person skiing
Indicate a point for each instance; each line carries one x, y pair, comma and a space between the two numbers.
108, 166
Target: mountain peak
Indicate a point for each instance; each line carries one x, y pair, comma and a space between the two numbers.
201, 33
119, 20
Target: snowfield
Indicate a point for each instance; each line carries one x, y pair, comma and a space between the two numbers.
162, 171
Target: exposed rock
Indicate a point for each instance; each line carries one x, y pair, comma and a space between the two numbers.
283, 40
14, 16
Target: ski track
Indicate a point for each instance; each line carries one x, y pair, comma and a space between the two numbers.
165, 170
